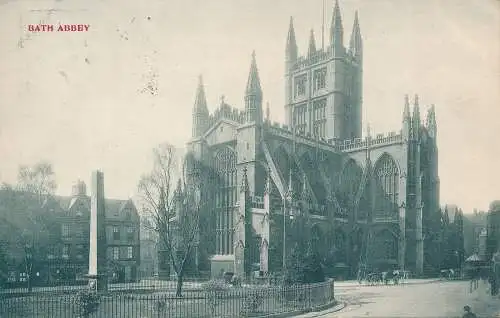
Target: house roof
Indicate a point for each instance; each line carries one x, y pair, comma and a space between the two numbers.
22, 202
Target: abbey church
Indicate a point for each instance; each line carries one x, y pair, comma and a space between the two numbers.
370, 200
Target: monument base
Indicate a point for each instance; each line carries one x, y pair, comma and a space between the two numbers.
221, 264
97, 283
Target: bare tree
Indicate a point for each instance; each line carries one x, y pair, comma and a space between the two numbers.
173, 199
38, 179
30, 230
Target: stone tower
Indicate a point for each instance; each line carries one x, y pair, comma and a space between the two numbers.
249, 133
323, 89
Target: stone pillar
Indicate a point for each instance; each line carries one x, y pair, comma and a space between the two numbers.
402, 209
97, 253
264, 246
402, 236
240, 243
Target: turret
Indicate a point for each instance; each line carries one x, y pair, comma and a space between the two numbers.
356, 42
291, 45
253, 94
200, 111
406, 119
312, 44
337, 31
79, 189
430, 122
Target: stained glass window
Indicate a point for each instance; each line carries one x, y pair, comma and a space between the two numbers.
226, 199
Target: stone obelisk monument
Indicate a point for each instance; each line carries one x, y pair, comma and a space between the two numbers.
97, 275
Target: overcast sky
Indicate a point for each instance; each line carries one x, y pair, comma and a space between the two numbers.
78, 99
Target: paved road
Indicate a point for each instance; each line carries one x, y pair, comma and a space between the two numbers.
432, 299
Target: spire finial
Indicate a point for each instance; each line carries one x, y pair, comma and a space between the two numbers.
253, 83
222, 98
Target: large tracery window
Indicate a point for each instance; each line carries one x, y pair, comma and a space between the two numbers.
299, 120
319, 118
300, 85
226, 197
387, 181
319, 79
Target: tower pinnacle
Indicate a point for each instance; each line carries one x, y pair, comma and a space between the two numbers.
253, 83
416, 118
200, 110
406, 111
200, 102
312, 44
253, 93
416, 110
356, 42
337, 30
431, 122
291, 43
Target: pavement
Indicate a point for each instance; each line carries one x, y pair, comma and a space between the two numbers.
414, 298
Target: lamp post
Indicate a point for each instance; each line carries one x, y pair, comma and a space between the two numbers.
284, 234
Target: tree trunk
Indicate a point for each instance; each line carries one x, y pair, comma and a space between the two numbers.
178, 291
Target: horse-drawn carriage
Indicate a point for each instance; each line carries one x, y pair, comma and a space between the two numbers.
386, 277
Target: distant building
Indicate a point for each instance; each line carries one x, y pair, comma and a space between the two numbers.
493, 236
474, 224
452, 251
481, 252
64, 255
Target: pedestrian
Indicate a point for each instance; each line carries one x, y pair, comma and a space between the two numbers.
468, 313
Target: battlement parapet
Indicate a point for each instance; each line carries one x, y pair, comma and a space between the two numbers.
226, 111
285, 132
380, 139
306, 61
319, 56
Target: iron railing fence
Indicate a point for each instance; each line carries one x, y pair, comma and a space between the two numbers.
213, 299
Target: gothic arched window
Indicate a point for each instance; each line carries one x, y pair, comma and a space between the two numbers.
226, 197
387, 183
